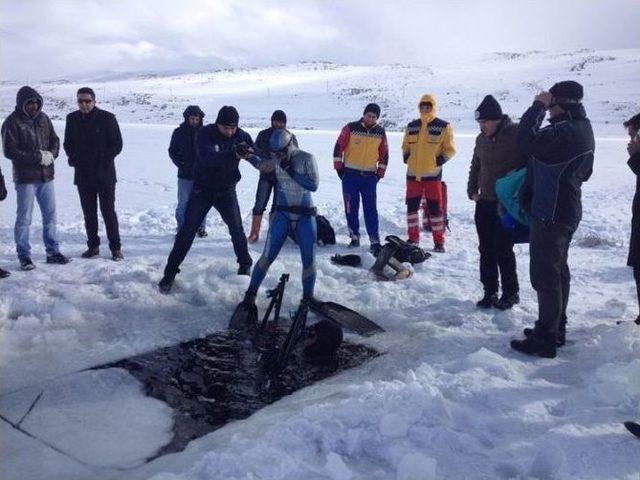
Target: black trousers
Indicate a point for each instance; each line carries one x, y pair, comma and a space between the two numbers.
89, 196
496, 250
199, 204
550, 275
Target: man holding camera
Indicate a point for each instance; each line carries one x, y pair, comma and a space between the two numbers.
220, 148
560, 159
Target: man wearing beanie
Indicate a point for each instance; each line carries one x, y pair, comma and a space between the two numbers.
495, 154
220, 148
267, 180
182, 151
427, 145
360, 158
560, 159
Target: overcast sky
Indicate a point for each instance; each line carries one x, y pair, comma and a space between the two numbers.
55, 39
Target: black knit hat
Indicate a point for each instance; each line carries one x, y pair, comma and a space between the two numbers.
228, 116
489, 109
193, 111
373, 108
633, 122
279, 116
567, 92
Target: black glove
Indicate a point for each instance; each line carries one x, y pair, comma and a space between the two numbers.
287, 166
3, 188
340, 173
440, 160
243, 149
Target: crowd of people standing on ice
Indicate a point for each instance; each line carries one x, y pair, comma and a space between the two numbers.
558, 158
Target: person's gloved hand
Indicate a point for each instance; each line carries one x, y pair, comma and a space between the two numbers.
286, 165
243, 150
46, 158
3, 188
440, 160
340, 173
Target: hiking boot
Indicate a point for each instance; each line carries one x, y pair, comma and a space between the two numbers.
254, 235
202, 233
560, 339
637, 320
415, 243
90, 252
544, 346
4, 273
507, 301
166, 283
116, 255
375, 249
26, 264
244, 270
439, 248
488, 301
58, 259
355, 243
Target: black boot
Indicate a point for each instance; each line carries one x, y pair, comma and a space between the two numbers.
560, 339
4, 273
543, 345
244, 270
166, 283
507, 301
488, 301
91, 252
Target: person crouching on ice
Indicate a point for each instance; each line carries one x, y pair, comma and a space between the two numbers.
296, 177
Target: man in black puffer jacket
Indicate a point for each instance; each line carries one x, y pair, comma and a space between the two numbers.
29, 141
92, 140
220, 147
560, 160
182, 151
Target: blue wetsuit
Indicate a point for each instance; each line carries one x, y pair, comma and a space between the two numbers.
294, 212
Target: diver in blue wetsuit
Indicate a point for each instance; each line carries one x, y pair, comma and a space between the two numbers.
296, 177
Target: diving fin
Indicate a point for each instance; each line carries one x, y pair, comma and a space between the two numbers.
346, 318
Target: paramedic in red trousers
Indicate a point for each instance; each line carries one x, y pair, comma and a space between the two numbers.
427, 145
360, 157
495, 154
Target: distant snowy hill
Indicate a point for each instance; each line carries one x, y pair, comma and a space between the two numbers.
323, 95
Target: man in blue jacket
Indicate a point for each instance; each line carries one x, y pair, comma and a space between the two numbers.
560, 160
220, 148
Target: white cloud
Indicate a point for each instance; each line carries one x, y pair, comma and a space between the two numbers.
44, 39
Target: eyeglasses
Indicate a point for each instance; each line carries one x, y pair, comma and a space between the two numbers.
85, 100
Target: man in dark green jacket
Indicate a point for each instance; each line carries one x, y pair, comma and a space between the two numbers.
494, 155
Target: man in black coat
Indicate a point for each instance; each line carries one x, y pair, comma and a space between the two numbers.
220, 147
182, 151
560, 159
92, 140
3, 195
633, 148
267, 180
31, 143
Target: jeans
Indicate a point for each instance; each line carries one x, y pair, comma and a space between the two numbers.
266, 183
184, 190
355, 185
44, 193
89, 195
199, 204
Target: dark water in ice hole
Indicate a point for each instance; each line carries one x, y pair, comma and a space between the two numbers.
214, 380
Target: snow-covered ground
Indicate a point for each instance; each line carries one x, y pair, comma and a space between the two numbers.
448, 399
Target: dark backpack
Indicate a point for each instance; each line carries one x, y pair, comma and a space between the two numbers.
406, 252
326, 233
